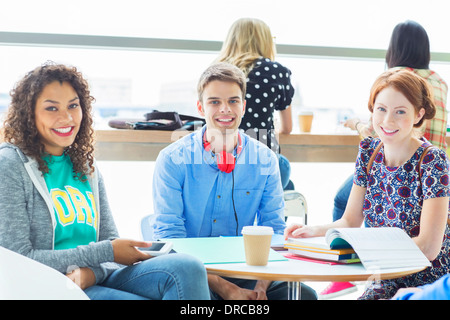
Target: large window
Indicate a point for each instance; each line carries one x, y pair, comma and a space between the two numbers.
124, 83
344, 23
132, 80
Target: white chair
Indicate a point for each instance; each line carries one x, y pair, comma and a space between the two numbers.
22, 278
295, 205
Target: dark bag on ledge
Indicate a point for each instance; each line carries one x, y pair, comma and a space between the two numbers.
156, 120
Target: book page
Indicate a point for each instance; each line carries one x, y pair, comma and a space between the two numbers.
391, 259
381, 247
374, 238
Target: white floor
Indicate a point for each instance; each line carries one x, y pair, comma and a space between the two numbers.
129, 186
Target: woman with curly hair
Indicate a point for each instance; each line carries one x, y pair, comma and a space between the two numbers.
20, 125
53, 203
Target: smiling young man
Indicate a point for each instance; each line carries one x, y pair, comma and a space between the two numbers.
223, 107
217, 180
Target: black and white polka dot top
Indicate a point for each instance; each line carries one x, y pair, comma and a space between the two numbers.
269, 88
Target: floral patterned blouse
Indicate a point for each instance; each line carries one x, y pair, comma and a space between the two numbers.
395, 196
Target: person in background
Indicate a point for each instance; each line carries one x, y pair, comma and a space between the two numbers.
393, 193
250, 46
409, 48
217, 180
53, 203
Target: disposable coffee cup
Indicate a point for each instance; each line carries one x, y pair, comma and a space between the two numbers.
305, 120
257, 241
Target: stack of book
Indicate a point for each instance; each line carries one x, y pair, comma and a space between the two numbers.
318, 248
376, 248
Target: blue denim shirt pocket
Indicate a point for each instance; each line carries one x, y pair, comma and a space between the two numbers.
247, 203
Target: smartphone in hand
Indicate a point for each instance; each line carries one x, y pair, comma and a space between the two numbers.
158, 248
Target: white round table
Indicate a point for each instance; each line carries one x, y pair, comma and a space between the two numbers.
296, 271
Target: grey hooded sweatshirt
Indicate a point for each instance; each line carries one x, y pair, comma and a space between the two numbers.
27, 219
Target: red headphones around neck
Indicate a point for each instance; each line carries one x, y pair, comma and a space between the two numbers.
225, 160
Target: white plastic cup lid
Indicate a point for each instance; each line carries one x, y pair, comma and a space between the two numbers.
257, 230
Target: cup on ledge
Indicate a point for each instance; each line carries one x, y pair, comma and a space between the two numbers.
257, 244
305, 119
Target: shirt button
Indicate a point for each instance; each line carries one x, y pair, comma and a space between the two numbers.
218, 197
214, 220
248, 192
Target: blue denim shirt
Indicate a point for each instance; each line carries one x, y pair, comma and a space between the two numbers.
438, 290
192, 198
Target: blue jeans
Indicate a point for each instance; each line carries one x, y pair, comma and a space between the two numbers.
285, 172
172, 276
341, 198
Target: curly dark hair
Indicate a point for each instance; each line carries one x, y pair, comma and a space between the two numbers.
20, 123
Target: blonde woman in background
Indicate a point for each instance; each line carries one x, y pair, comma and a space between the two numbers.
250, 46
